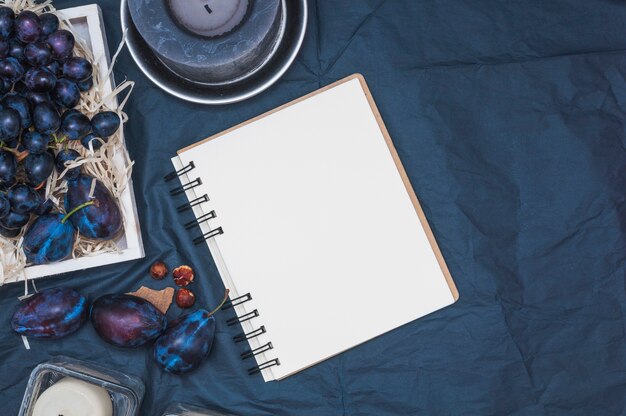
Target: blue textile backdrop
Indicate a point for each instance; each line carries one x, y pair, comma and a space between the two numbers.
509, 118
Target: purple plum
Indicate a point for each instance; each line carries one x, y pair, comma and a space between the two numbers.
51, 313
27, 26
105, 123
65, 93
187, 341
40, 80
103, 219
37, 53
76, 68
7, 20
61, 43
49, 23
126, 321
38, 167
48, 239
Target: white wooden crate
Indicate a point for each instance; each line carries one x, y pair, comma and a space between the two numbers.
87, 24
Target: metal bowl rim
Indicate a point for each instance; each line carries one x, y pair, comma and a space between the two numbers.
294, 50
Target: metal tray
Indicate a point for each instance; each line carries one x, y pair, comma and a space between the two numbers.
169, 81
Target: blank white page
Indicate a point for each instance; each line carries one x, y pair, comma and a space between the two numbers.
319, 228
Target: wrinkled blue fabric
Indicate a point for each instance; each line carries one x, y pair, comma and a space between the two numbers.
509, 118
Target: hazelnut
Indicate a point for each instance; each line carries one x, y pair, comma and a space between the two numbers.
183, 275
185, 298
158, 270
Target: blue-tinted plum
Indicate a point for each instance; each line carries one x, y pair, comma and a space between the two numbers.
11, 69
24, 199
16, 49
5, 206
48, 239
126, 321
186, 343
105, 123
9, 124
8, 166
40, 80
35, 142
74, 125
49, 23
38, 167
51, 313
21, 105
46, 118
96, 142
66, 93
77, 69
27, 26
100, 221
14, 220
62, 44
37, 54
85, 85
67, 155
37, 97
7, 20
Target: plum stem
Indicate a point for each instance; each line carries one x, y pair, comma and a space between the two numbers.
21, 155
75, 210
221, 304
59, 139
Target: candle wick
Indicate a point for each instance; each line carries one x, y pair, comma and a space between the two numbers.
208, 9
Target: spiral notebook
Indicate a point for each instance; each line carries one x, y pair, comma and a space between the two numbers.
315, 229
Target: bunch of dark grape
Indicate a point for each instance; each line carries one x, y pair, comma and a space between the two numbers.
41, 81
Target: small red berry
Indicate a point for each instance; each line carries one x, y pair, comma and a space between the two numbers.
183, 275
185, 298
158, 270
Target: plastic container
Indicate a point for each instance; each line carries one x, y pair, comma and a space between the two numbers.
180, 409
126, 391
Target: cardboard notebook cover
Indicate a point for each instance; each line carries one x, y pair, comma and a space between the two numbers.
259, 343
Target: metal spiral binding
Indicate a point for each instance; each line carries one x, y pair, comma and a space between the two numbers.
191, 204
251, 353
243, 318
252, 334
261, 367
196, 223
208, 235
186, 187
244, 336
237, 301
172, 175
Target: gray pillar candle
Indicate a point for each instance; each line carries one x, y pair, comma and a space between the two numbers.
216, 42
208, 17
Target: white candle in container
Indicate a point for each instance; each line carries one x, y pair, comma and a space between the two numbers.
208, 17
73, 397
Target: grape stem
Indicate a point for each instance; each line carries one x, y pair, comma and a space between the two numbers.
75, 210
221, 304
